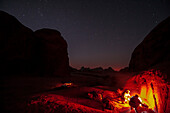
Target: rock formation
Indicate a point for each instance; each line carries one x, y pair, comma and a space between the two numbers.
53, 52
109, 69
23, 51
125, 69
16, 45
154, 50
97, 69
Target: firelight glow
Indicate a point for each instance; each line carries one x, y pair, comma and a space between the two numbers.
151, 87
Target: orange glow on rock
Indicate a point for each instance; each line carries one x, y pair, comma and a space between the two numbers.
143, 92
151, 87
150, 99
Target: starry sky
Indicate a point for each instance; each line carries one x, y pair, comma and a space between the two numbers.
98, 32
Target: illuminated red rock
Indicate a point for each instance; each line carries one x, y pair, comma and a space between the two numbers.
57, 104
152, 89
154, 50
54, 56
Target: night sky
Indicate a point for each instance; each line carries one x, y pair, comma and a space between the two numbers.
98, 32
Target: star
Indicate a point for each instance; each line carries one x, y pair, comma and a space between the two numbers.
153, 14
41, 14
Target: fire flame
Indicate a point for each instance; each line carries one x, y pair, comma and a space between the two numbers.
146, 95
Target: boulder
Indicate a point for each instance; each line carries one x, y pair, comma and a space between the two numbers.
154, 51
52, 52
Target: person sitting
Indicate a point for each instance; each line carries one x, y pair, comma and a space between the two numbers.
135, 102
125, 96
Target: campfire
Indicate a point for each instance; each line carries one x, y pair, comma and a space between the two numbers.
146, 92
152, 90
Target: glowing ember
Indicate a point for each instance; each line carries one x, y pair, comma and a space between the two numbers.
68, 84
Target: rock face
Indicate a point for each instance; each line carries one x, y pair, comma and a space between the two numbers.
53, 52
154, 50
43, 52
16, 45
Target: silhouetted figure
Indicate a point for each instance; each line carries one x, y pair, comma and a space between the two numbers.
135, 102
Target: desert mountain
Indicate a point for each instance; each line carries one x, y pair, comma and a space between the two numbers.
23, 51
